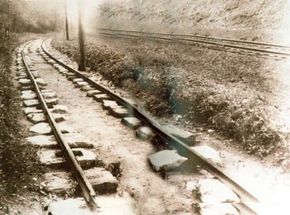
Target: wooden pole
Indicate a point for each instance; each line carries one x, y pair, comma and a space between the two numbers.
66, 22
82, 66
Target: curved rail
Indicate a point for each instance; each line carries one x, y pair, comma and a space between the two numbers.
249, 203
257, 47
85, 185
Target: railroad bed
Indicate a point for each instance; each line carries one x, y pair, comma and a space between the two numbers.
102, 161
257, 49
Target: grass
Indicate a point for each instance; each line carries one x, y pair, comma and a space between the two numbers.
18, 164
225, 91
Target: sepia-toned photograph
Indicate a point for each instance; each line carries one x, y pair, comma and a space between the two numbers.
145, 107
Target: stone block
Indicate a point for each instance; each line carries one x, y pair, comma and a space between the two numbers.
44, 141
36, 117
210, 154
41, 128
166, 160
145, 133
131, 122
102, 180
90, 93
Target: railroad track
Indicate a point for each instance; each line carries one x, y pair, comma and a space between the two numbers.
77, 171
248, 202
236, 46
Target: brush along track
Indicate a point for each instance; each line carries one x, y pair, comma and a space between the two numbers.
248, 201
86, 187
249, 47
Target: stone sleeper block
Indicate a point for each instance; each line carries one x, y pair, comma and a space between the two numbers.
109, 104
25, 82
30, 87
54, 159
210, 154
185, 136
49, 95
59, 183
28, 96
87, 88
100, 97
93, 92
61, 109
59, 117
102, 180
31, 103
41, 128
51, 102
29, 110
131, 122
166, 160
212, 191
77, 80
81, 84
44, 141
119, 112
145, 133
36, 117
75, 140
40, 82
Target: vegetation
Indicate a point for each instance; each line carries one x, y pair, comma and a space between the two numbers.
18, 164
227, 92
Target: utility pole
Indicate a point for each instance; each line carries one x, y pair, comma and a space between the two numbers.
82, 66
66, 22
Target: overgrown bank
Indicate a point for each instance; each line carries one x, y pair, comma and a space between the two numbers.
227, 92
18, 165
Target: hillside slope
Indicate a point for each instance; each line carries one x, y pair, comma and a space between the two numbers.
247, 18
